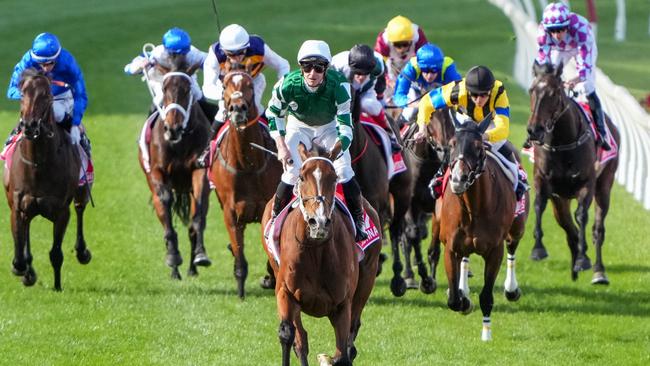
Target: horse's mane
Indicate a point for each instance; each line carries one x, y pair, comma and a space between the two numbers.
30, 73
177, 62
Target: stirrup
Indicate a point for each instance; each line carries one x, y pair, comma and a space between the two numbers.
604, 144
361, 234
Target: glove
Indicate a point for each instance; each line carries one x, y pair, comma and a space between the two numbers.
221, 113
75, 135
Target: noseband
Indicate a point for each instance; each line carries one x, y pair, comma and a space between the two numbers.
184, 111
238, 94
320, 199
480, 166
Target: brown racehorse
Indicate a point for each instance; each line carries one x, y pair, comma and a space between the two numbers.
566, 167
245, 177
478, 208
319, 273
389, 198
175, 179
43, 179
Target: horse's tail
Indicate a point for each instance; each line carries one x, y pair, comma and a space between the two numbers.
181, 206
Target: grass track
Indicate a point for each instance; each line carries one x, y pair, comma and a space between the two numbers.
123, 309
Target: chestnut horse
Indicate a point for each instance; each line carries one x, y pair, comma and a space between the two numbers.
43, 179
180, 134
566, 167
390, 198
319, 273
245, 177
478, 209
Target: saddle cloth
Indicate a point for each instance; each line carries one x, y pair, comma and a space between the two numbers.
273, 228
86, 172
394, 161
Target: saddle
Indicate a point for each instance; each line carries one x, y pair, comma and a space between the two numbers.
394, 161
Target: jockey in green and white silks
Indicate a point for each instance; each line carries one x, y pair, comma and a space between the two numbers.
313, 104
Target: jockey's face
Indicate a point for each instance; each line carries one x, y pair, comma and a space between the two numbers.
47, 66
402, 48
429, 75
360, 78
480, 99
313, 73
558, 34
236, 57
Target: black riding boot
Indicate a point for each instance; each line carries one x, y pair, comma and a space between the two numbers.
202, 161
435, 186
599, 117
352, 194
209, 109
282, 197
13, 133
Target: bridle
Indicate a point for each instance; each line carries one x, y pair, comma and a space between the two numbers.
184, 111
238, 94
475, 173
319, 198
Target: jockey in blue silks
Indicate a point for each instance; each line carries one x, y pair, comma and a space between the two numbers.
68, 86
429, 69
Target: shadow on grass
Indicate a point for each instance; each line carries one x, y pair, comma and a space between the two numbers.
174, 290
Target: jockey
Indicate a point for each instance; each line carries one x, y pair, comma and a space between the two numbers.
477, 95
237, 47
397, 44
363, 67
313, 104
176, 48
563, 35
68, 86
429, 69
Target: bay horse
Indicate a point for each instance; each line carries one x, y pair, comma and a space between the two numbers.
43, 179
566, 167
390, 198
177, 182
478, 208
319, 273
245, 178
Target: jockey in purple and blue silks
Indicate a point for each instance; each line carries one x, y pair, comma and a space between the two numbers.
563, 35
68, 86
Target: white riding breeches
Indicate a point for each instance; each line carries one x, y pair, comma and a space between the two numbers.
62, 104
325, 136
514, 169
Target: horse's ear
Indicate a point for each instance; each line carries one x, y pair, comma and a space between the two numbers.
303, 152
537, 68
558, 69
452, 114
485, 123
162, 69
192, 69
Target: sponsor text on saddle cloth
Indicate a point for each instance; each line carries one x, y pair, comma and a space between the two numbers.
273, 227
86, 173
394, 161
602, 155
520, 208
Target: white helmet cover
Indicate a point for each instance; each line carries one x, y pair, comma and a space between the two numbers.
234, 38
314, 48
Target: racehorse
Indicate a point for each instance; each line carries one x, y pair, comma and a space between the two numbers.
43, 179
372, 174
478, 206
567, 167
245, 177
179, 135
319, 273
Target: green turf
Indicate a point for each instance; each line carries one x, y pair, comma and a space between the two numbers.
123, 309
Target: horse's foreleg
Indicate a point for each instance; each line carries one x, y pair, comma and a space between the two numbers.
236, 233
19, 230
287, 331
341, 320
541, 200
492, 265
457, 300
562, 213
162, 202
397, 283
602, 207
433, 253
198, 213
585, 197
80, 201
427, 285
300, 343
56, 254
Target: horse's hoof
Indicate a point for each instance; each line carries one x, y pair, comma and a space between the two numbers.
192, 272
574, 276
202, 260
267, 283
29, 278
514, 295
18, 271
398, 286
176, 275
538, 254
84, 257
469, 309
411, 283
324, 360
174, 260
382, 259
428, 285
599, 278
582, 264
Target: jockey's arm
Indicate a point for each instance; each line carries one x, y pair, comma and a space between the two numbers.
212, 86
437, 98
501, 130
369, 102
403, 85
277, 62
543, 46
276, 113
451, 73
13, 92
78, 86
343, 117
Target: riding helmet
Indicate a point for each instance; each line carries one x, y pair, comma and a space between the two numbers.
361, 59
45, 48
177, 40
479, 79
234, 38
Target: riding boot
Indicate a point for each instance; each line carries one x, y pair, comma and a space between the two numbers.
13, 133
435, 186
202, 161
395, 147
352, 194
85, 144
599, 117
282, 197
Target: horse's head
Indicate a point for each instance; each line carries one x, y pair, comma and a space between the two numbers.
239, 99
35, 104
315, 190
177, 101
547, 100
467, 152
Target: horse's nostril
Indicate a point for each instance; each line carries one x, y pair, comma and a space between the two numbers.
312, 222
328, 222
